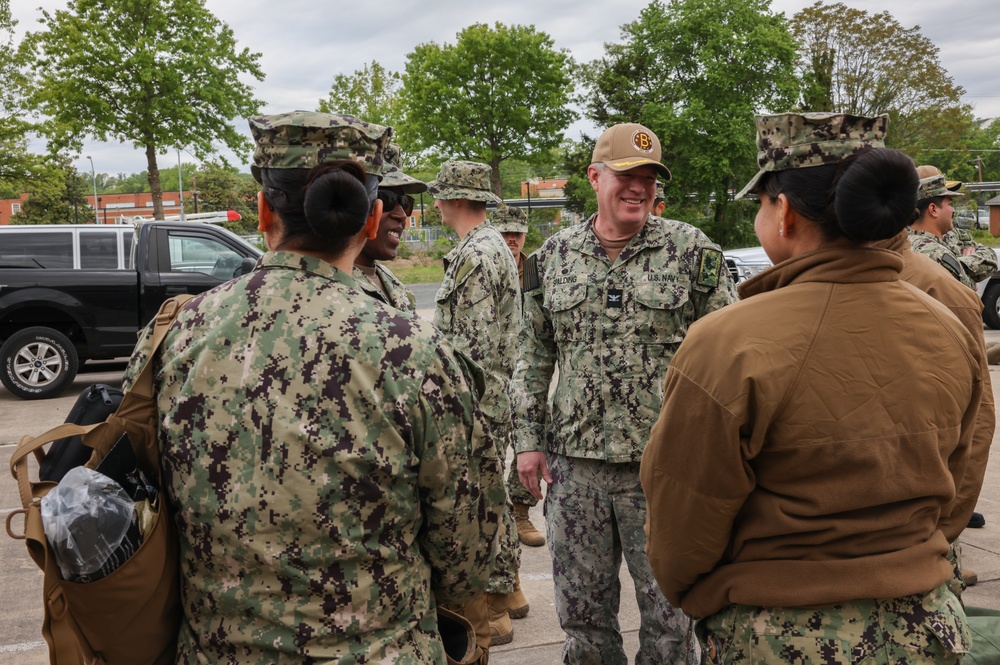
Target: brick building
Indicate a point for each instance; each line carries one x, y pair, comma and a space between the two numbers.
109, 207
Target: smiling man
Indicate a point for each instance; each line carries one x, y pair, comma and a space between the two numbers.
608, 302
396, 193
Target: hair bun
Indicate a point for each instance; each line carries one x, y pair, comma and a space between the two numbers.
336, 204
876, 195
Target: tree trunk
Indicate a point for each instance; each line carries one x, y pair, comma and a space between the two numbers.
495, 181
154, 181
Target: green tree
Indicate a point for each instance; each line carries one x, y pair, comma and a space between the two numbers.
371, 93
154, 73
17, 166
497, 93
223, 187
868, 63
696, 72
58, 195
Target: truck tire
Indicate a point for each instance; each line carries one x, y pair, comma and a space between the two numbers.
991, 306
38, 363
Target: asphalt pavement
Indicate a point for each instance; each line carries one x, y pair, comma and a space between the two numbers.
537, 638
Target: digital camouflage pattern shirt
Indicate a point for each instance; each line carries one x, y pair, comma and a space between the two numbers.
479, 311
399, 296
611, 329
937, 249
980, 264
328, 470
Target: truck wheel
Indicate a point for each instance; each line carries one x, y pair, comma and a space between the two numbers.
991, 306
37, 363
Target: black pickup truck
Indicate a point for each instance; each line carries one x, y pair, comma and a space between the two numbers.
72, 293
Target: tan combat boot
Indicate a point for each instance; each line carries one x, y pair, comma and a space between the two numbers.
517, 603
501, 629
477, 611
526, 531
459, 638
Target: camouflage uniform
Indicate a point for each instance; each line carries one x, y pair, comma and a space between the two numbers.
980, 264
328, 468
392, 292
925, 242
479, 312
612, 330
924, 629
508, 219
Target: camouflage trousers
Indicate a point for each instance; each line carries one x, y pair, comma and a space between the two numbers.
912, 630
595, 513
508, 559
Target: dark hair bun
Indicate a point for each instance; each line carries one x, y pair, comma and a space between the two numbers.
336, 203
876, 195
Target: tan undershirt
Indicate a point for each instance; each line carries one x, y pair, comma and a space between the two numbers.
612, 247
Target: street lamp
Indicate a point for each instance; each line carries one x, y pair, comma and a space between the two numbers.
93, 175
527, 187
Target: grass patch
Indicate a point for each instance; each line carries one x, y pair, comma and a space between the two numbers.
983, 237
417, 272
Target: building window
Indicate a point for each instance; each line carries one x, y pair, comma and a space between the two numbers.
15, 208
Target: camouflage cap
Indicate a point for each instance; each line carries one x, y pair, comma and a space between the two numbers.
801, 140
659, 191
463, 180
627, 146
510, 219
926, 171
935, 186
393, 176
303, 139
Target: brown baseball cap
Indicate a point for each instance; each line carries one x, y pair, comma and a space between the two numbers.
927, 171
627, 146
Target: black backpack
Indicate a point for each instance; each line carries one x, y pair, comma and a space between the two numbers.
94, 405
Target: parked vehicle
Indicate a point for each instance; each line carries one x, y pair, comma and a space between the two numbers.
73, 293
745, 263
966, 219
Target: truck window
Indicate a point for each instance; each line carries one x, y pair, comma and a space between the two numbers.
33, 249
99, 250
129, 250
204, 255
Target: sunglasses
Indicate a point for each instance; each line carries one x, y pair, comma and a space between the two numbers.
391, 199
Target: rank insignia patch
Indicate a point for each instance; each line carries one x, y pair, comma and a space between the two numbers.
710, 266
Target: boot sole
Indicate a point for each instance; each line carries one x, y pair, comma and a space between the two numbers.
498, 640
519, 613
533, 543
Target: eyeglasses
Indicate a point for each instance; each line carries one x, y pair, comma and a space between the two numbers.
391, 199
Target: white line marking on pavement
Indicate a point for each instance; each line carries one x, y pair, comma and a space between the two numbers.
18, 648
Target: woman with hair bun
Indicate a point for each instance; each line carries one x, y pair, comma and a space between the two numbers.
323, 454
801, 479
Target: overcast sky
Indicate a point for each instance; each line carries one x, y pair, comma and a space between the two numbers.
304, 44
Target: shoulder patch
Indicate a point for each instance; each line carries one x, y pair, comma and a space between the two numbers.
530, 279
710, 265
952, 264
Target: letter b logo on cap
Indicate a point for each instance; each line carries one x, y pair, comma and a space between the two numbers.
642, 141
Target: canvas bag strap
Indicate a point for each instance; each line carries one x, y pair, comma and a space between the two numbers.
143, 385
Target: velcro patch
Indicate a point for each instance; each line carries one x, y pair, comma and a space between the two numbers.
709, 267
952, 264
615, 298
530, 279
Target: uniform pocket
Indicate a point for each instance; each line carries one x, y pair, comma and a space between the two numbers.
929, 628
568, 311
659, 308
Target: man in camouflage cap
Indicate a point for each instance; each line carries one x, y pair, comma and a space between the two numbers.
479, 311
396, 193
330, 470
935, 235
660, 201
608, 302
512, 224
